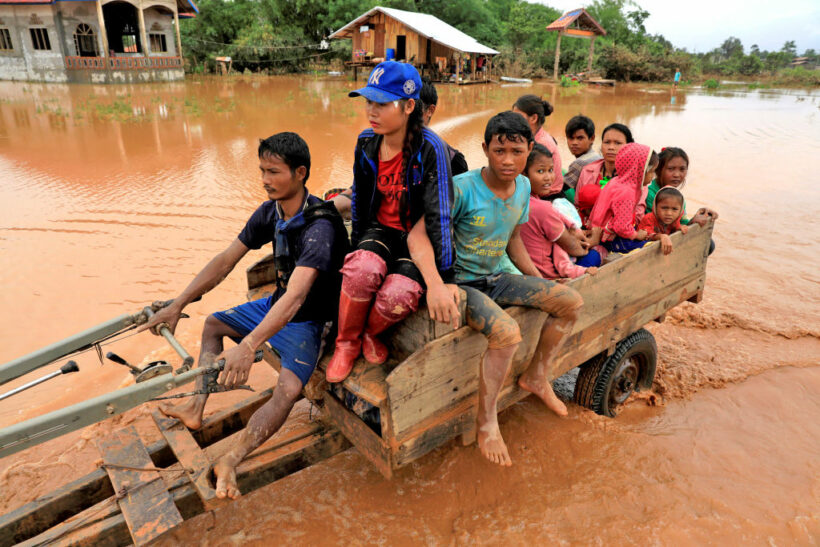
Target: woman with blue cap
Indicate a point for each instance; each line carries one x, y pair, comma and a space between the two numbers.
401, 176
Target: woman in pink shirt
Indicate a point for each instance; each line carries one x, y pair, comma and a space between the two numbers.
535, 110
547, 235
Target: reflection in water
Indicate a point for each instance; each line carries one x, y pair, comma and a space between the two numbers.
114, 196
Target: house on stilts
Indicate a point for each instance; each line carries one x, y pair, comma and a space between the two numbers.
92, 41
441, 52
580, 24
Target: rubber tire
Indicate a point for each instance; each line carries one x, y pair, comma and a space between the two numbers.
595, 380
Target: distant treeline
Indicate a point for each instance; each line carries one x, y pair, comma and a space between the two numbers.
285, 36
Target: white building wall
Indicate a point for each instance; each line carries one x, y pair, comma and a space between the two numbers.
42, 65
157, 22
75, 13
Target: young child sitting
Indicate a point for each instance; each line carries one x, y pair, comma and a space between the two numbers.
673, 166
613, 216
580, 133
665, 218
547, 235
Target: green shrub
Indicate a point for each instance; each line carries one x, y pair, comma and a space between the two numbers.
711, 83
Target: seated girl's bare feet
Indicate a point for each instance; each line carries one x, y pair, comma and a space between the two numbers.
491, 443
189, 413
544, 393
225, 471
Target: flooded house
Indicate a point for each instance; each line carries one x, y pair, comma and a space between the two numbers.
92, 41
439, 50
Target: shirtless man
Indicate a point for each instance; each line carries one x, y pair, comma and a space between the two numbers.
309, 243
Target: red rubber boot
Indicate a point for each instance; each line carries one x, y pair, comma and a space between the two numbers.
397, 298
352, 315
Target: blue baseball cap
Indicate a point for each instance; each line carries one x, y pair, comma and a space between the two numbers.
391, 81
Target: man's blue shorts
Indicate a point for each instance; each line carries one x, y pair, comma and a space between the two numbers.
297, 344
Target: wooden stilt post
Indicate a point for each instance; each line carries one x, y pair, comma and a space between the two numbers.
591, 51
179, 37
458, 67
473, 67
142, 31
557, 57
103, 32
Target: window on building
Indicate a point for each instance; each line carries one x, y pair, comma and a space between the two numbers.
85, 41
5, 40
158, 44
129, 43
39, 38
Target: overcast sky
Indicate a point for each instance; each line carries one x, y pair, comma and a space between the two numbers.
701, 25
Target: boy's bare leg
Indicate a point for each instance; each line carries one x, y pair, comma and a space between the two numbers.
536, 378
494, 368
190, 412
265, 422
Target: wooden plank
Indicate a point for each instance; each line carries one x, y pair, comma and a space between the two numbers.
145, 503
194, 461
578, 33
261, 272
47, 511
445, 371
459, 420
292, 453
363, 438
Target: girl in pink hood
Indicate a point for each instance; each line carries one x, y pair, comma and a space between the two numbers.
614, 216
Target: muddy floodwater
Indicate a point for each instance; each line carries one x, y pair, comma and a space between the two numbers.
115, 196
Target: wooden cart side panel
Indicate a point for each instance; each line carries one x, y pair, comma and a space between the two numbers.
430, 387
454, 422
369, 445
616, 302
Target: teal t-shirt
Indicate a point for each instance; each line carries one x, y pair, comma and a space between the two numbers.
483, 223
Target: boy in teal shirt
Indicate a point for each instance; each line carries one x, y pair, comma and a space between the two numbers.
490, 204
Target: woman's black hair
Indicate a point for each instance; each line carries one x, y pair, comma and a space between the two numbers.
538, 150
669, 192
507, 125
428, 94
580, 122
415, 124
653, 160
621, 128
290, 148
533, 104
667, 154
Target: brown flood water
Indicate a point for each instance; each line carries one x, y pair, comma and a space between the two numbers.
111, 197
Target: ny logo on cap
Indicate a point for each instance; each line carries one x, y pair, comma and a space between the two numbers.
374, 77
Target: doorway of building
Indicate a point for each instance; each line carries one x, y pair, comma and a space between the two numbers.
122, 28
401, 47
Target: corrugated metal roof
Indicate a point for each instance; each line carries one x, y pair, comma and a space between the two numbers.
428, 26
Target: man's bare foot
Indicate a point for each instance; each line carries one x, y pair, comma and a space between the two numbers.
189, 413
225, 471
492, 445
544, 393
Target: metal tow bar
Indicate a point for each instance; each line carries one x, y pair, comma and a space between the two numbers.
37, 430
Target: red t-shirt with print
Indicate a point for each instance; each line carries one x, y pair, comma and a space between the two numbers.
391, 187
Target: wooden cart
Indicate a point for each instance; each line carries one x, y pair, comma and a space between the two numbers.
424, 397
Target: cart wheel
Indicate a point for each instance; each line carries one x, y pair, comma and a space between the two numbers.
605, 383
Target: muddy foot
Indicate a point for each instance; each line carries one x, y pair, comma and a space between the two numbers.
546, 394
225, 472
188, 413
491, 444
